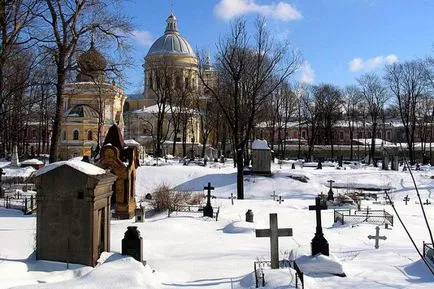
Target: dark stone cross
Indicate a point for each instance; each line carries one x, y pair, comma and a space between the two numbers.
232, 198
330, 193
406, 199
427, 202
208, 210
274, 233
274, 195
280, 200
377, 237
319, 243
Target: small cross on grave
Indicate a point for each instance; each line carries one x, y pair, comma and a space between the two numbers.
232, 198
427, 202
274, 233
319, 243
208, 210
280, 200
330, 193
274, 195
377, 237
406, 199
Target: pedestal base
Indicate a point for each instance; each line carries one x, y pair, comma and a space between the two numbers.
208, 211
319, 244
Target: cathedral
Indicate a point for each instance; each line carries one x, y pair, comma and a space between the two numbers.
90, 106
171, 84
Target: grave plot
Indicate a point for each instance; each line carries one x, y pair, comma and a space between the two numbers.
188, 210
379, 217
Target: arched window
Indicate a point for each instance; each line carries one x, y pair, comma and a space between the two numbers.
64, 135
89, 135
75, 135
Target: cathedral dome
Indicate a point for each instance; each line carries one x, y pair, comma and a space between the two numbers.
171, 43
91, 65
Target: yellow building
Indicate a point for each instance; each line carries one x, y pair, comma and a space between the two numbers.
90, 106
170, 72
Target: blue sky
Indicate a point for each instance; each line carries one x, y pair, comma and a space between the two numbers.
339, 39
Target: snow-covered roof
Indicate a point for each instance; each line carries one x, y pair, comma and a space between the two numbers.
260, 144
83, 167
32, 162
131, 142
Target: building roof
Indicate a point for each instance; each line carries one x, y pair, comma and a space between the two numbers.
82, 110
83, 167
171, 43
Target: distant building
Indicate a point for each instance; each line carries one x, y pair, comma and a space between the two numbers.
90, 106
171, 67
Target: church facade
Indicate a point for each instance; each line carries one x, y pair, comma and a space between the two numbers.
167, 112
90, 106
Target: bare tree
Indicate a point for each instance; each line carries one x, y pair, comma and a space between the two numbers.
352, 98
407, 82
375, 95
248, 74
328, 98
64, 25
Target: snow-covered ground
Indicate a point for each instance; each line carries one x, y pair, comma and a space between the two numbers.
193, 252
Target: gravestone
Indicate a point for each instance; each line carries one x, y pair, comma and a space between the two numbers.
261, 157
406, 199
319, 166
249, 216
232, 197
73, 215
274, 233
208, 210
280, 200
377, 237
121, 160
293, 166
319, 244
140, 214
395, 163
15, 162
132, 243
330, 193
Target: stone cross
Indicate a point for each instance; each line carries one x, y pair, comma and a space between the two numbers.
406, 199
330, 193
274, 233
274, 195
208, 210
232, 198
427, 202
319, 243
377, 237
280, 200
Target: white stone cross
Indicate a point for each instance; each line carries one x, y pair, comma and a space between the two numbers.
377, 237
274, 233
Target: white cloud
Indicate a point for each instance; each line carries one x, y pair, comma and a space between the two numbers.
358, 64
307, 74
227, 9
143, 37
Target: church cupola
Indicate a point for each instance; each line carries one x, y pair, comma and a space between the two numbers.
171, 27
91, 66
